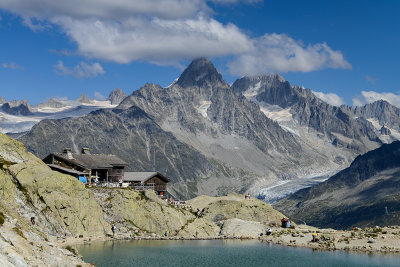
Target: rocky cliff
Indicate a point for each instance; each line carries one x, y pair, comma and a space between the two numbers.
295, 108
365, 194
60, 204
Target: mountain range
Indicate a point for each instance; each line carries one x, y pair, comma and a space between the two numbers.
212, 138
19, 116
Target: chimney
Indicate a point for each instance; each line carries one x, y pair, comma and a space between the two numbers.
85, 150
67, 153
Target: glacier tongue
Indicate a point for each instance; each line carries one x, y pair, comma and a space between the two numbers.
284, 188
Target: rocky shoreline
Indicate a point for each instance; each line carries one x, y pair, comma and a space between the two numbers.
368, 240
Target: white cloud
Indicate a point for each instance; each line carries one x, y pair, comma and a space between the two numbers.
158, 41
280, 53
83, 70
169, 31
330, 98
367, 97
12, 66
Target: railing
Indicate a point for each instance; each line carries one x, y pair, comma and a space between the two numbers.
149, 186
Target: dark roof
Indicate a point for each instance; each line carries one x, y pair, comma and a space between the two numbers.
142, 176
62, 169
94, 161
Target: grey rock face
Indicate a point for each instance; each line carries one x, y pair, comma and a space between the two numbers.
357, 195
202, 73
17, 107
385, 131
308, 110
380, 110
116, 96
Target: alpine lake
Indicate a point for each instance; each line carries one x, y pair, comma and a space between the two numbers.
221, 253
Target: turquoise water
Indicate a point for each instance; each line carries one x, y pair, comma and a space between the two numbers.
221, 253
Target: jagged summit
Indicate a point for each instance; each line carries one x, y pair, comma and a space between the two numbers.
116, 96
83, 99
272, 89
201, 72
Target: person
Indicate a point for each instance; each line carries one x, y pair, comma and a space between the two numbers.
288, 223
269, 231
284, 222
314, 237
33, 220
113, 229
165, 234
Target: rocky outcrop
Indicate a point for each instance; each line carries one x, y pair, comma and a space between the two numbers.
60, 204
242, 229
17, 108
385, 130
142, 212
382, 111
365, 194
116, 96
83, 99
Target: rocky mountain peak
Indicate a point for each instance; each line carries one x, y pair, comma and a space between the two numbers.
201, 72
2, 100
116, 96
83, 99
16, 107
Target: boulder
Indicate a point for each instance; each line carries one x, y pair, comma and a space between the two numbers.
242, 229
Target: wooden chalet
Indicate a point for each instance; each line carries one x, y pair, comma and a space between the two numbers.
100, 167
147, 180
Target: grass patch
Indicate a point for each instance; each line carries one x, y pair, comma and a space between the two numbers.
2, 218
72, 250
19, 232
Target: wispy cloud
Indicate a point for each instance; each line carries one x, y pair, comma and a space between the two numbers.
12, 66
330, 98
169, 31
83, 70
367, 97
64, 52
370, 79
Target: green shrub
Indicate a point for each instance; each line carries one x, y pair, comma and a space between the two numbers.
71, 249
2, 218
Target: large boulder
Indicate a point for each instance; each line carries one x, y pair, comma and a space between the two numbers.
242, 229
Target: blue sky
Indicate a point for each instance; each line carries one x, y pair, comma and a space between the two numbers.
348, 50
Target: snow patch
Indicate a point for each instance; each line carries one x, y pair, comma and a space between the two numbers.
174, 82
204, 105
252, 91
